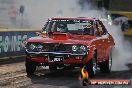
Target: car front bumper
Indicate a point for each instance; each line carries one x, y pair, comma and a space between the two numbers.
68, 58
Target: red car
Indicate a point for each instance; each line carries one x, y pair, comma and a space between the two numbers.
71, 42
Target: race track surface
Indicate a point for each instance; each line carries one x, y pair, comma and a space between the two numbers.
14, 76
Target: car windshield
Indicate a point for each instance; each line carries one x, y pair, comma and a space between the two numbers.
84, 27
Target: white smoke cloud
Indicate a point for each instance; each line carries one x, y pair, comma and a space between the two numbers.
38, 11
122, 53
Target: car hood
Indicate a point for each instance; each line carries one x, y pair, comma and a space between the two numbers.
63, 38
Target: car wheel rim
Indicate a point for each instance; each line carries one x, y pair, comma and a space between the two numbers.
110, 60
94, 64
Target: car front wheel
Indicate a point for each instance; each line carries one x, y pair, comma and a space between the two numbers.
92, 66
30, 68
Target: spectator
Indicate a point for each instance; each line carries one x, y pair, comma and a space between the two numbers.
12, 15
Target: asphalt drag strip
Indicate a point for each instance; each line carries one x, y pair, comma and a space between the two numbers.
14, 76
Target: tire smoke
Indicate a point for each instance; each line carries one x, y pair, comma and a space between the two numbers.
122, 53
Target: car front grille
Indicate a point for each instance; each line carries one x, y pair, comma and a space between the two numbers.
50, 47
53, 47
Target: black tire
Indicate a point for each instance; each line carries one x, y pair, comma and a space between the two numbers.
69, 67
52, 67
105, 66
30, 68
92, 66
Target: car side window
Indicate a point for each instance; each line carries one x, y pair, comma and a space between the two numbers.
104, 31
98, 29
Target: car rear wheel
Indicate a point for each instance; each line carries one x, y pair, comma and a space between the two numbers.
92, 66
105, 66
30, 68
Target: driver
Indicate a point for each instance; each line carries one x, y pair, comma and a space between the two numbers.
87, 30
62, 27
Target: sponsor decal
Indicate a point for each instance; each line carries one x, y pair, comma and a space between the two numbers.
13, 42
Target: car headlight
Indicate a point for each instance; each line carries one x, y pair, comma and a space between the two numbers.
83, 48
39, 47
32, 46
79, 48
74, 48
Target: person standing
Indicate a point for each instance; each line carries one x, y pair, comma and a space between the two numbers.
12, 15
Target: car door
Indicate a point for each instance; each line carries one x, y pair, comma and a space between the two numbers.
100, 41
106, 42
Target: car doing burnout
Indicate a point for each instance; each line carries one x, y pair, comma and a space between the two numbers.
71, 42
